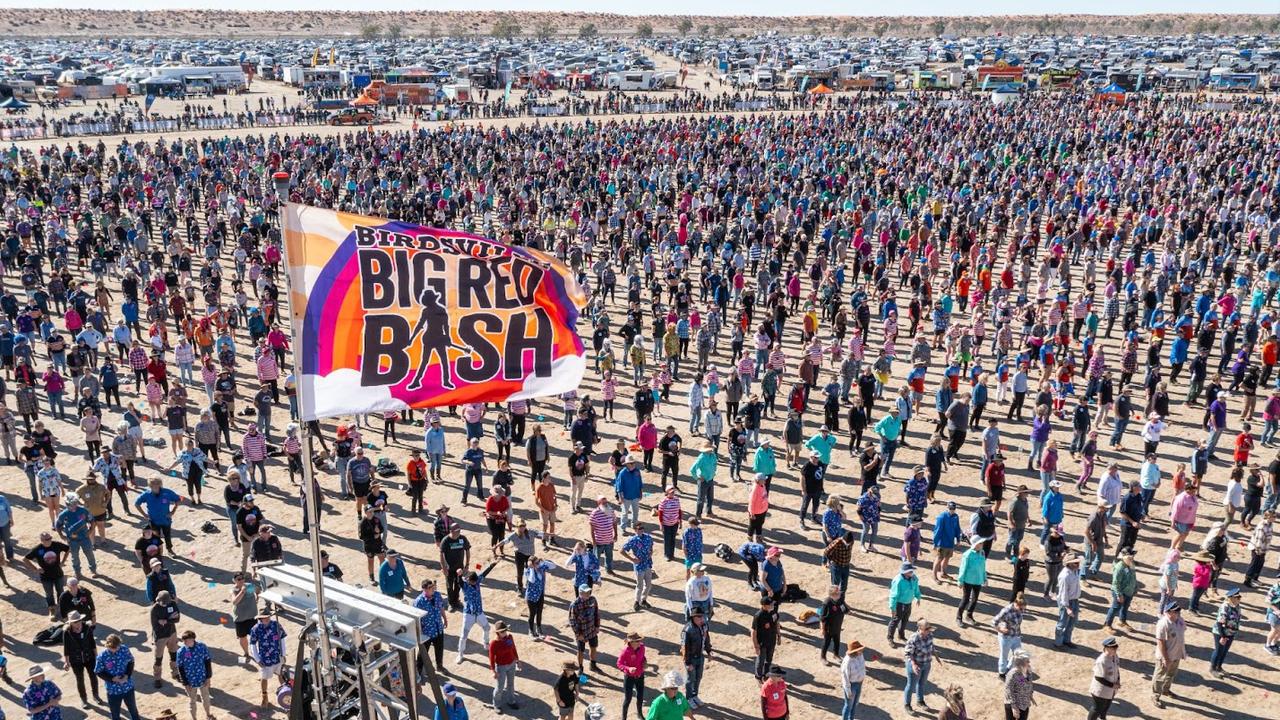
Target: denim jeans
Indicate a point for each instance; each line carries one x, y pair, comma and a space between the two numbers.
1066, 623
605, 553
887, 449
706, 496
1092, 562
915, 682
473, 476
340, 467
1013, 544
694, 680
1220, 650
630, 514
695, 418
1269, 428
504, 684
1008, 643
1119, 607
839, 576
82, 545
868, 535
1118, 433
852, 692
1037, 447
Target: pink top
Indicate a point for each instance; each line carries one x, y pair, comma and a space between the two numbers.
1201, 576
1184, 508
632, 658
759, 501
647, 436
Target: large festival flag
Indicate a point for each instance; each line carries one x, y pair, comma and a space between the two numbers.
388, 315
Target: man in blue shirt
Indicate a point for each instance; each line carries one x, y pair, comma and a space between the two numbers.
946, 532
74, 524
266, 643
628, 486
433, 624
473, 461
159, 503
1050, 508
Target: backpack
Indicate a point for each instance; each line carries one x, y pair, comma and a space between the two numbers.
726, 553
51, 635
387, 468
793, 593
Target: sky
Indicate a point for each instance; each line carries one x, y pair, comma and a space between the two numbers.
708, 7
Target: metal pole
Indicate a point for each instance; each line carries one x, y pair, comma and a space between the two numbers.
321, 675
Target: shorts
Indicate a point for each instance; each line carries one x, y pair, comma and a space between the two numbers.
547, 516
1273, 619
996, 493
268, 671
1182, 528
374, 549
100, 518
593, 642
177, 432
793, 448
692, 560
135, 432
244, 626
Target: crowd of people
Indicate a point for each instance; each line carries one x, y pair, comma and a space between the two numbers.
802, 330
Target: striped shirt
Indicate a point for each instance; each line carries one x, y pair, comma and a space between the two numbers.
746, 366
518, 407
254, 447
669, 511
292, 445
608, 388
778, 360
267, 368
602, 526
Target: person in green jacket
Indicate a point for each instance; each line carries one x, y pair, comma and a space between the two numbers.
823, 443
1124, 585
903, 592
703, 473
972, 576
764, 462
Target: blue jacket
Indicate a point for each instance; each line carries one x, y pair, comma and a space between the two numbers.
158, 505
629, 484
946, 530
1051, 507
392, 581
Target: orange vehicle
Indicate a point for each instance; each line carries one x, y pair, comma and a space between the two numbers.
353, 116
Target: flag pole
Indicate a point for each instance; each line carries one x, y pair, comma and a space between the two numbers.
320, 676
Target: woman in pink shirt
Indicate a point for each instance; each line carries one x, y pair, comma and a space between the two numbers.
1182, 514
647, 437
631, 663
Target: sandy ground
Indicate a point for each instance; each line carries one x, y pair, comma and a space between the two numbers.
204, 563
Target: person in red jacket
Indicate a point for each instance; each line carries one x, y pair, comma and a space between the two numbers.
504, 661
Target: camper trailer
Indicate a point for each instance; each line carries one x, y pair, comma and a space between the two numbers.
214, 77
629, 80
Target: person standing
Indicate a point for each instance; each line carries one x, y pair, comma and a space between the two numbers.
80, 652
834, 608
584, 620
433, 623
75, 525
631, 662
1225, 627
1019, 691
946, 533
266, 643
765, 636
195, 672
670, 704
973, 575
853, 672
1124, 585
903, 592
774, 704
695, 649
639, 550
164, 633
919, 653
1068, 602
504, 662
42, 698
393, 578
244, 606
1008, 624
566, 690
454, 708
115, 667
1106, 679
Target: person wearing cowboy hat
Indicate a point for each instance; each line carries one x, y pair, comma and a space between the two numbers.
1106, 679
195, 672
79, 652
41, 698
853, 672
267, 647
75, 525
567, 690
1225, 628
504, 662
1171, 649
774, 704
584, 620
1068, 602
631, 661
628, 488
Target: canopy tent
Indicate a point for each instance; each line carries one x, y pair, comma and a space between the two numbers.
363, 101
820, 89
1112, 93
13, 103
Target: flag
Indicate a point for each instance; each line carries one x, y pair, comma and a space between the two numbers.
506, 94
147, 106
315, 57
388, 315
804, 84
